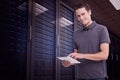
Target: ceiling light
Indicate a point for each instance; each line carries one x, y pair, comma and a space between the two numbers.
116, 4
65, 22
39, 9
23, 6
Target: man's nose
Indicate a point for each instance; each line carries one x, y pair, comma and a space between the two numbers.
81, 17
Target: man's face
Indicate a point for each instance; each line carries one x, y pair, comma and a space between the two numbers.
83, 16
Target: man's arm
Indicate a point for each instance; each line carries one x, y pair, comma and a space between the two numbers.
102, 55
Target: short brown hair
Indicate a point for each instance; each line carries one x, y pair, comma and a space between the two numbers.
83, 4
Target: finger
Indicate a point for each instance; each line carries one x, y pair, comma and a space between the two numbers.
70, 54
73, 56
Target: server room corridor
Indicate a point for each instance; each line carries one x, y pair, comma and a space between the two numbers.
35, 32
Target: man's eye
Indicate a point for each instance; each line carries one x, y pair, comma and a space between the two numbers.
83, 14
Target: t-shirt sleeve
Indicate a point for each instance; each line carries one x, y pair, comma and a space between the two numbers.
104, 38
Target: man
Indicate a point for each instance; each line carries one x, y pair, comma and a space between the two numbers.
91, 46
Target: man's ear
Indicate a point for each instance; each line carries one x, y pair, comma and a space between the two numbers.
90, 12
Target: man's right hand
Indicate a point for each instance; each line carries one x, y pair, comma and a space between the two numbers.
66, 63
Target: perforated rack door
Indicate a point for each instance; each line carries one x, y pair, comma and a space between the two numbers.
14, 31
43, 40
66, 39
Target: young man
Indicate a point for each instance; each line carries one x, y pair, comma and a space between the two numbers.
91, 46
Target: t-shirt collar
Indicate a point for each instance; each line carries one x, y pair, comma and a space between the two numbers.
92, 25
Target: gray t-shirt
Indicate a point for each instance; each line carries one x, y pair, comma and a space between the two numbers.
89, 42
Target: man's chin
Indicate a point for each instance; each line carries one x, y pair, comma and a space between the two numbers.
84, 24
